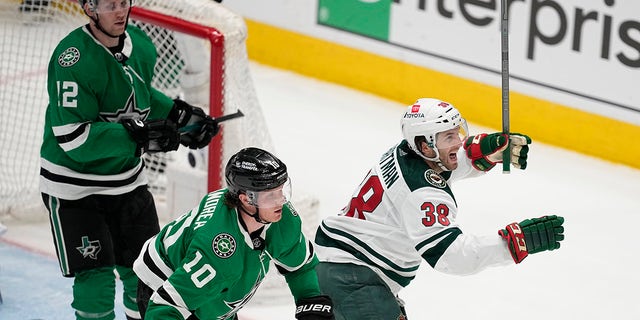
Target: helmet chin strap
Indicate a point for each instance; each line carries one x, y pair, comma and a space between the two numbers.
435, 159
255, 215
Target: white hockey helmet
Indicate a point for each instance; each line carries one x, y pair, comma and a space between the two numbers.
426, 118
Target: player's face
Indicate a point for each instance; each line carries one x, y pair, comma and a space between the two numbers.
271, 214
270, 201
112, 15
448, 143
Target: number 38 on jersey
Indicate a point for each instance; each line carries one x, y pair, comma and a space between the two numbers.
368, 198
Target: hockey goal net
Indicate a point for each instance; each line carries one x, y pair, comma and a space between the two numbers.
202, 58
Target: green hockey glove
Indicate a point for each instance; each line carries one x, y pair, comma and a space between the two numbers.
153, 135
533, 236
485, 150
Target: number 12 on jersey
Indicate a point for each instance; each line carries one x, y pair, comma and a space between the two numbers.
67, 94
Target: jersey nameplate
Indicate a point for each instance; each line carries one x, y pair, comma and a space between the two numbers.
388, 168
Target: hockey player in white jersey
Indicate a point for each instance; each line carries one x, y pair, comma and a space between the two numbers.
404, 212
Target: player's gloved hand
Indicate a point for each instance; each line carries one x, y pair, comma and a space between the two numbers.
485, 150
196, 127
153, 135
533, 236
314, 308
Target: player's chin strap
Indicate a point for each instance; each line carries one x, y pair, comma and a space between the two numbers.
255, 215
435, 159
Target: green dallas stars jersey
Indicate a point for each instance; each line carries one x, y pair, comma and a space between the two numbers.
205, 261
404, 213
85, 150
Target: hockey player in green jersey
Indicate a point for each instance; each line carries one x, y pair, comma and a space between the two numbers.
208, 263
405, 212
102, 116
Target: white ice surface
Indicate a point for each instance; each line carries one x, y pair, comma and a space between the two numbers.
330, 135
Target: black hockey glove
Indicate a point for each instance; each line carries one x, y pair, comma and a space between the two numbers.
314, 308
153, 135
196, 127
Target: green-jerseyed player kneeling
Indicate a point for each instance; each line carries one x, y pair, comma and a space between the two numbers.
208, 263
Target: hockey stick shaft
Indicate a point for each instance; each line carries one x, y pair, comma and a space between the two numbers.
226, 117
504, 30
230, 116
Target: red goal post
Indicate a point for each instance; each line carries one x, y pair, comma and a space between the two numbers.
216, 40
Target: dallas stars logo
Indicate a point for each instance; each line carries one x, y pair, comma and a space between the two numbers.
224, 245
69, 57
89, 248
130, 111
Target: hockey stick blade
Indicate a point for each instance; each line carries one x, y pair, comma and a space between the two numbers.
197, 126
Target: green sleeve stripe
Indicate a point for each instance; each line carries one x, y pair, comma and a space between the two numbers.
325, 240
445, 238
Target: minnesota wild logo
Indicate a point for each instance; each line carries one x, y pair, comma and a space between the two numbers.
69, 57
435, 179
224, 245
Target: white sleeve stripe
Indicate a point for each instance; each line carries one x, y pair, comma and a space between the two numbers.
63, 171
72, 132
66, 129
175, 296
145, 274
157, 260
157, 299
171, 240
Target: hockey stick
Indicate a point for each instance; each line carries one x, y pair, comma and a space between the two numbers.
197, 126
504, 28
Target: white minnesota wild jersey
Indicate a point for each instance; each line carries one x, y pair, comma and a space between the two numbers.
404, 212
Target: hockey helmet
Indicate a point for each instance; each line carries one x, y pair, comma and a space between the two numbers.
426, 118
94, 5
260, 175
